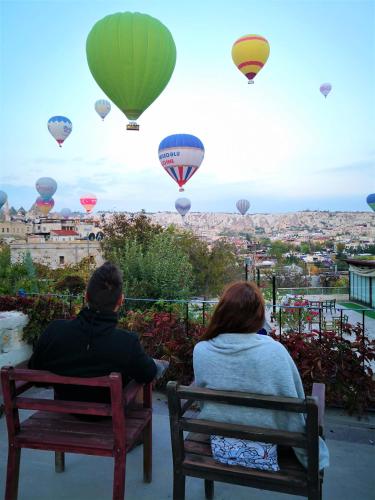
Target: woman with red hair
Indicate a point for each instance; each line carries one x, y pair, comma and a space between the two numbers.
233, 357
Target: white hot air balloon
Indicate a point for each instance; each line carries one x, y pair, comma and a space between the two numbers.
243, 206
182, 205
66, 213
60, 128
102, 107
325, 89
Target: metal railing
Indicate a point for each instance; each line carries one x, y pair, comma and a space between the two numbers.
320, 290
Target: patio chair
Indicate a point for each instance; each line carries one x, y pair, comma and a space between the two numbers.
192, 455
54, 426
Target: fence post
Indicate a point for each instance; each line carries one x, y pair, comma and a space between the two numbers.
204, 312
187, 318
280, 322
341, 323
320, 324
258, 276
274, 295
299, 320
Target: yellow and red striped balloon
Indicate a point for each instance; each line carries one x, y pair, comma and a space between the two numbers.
250, 54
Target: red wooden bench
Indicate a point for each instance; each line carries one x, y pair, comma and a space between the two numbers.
54, 427
192, 455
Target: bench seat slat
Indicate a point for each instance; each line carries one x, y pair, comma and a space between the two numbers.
206, 467
244, 432
243, 399
200, 444
64, 406
49, 431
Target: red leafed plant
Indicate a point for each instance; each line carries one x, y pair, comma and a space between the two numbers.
165, 336
342, 364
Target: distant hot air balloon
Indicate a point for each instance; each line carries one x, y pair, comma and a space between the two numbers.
44, 206
102, 107
46, 187
60, 128
325, 89
250, 54
243, 206
181, 156
183, 206
65, 212
88, 201
132, 57
3, 198
371, 201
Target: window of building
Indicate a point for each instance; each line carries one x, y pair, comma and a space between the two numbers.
62, 259
7, 229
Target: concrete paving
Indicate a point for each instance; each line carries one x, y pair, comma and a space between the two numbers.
351, 474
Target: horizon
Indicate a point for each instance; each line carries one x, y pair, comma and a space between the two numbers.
309, 151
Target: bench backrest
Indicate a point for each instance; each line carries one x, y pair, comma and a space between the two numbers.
13, 402
308, 440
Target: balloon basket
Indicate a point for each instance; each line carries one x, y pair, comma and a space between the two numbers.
132, 126
250, 82
181, 189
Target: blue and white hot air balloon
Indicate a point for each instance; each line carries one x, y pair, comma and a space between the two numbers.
65, 212
183, 206
60, 128
243, 206
181, 155
46, 187
102, 107
371, 201
3, 198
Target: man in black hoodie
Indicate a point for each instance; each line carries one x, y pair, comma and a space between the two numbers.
91, 345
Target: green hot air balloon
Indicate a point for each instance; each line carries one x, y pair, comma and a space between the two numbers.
132, 57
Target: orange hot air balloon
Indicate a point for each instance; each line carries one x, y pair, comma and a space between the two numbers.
44, 206
88, 201
250, 54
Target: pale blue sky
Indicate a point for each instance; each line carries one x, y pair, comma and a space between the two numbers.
278, 143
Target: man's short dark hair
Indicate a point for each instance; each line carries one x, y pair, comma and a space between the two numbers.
104, 288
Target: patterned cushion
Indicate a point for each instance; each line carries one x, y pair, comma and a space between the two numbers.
253, 454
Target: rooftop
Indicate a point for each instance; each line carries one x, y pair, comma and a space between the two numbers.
351, 444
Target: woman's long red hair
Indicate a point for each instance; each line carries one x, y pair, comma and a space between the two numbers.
240, 310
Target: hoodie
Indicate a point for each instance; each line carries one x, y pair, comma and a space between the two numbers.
257, 364
91, 346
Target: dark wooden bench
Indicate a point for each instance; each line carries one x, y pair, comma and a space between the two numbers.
54, 427
192, 456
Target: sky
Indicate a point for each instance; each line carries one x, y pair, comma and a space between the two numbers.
278, 143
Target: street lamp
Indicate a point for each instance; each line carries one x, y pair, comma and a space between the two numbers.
248, 263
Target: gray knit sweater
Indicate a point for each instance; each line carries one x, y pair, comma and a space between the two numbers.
257, 364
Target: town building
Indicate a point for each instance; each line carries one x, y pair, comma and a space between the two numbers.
58, 253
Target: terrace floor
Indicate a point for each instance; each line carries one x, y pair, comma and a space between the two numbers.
351, 474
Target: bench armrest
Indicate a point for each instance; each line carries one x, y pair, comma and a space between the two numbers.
319, 391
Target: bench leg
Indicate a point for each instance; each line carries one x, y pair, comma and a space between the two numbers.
119, 476
59, 461
209, 489
13, 470
147, 453
178, 486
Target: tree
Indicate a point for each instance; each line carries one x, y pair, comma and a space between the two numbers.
123, 228
161, 271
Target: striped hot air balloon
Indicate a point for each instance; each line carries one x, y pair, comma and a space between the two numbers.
181, 155
243, 206
250, 54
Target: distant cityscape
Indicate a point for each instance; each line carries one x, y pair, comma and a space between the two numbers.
57, 241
